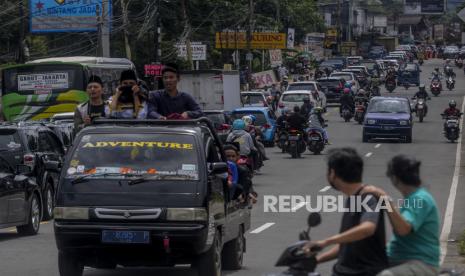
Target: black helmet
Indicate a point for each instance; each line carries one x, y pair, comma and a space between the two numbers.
452, 104
306, 100
422, 87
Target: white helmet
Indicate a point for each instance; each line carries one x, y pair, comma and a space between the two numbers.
247, 120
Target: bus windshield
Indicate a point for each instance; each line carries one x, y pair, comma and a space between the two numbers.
38, 91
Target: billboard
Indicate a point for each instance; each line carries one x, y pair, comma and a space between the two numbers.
48, 16
424, 7
238, 40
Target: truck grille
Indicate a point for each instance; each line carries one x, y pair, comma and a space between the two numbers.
138, 214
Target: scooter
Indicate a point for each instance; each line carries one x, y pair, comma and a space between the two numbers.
436, 87
359, 113
420, 109
295, 144
391, 85
298, 262
346, 114
450, 83
452, 125
316, 142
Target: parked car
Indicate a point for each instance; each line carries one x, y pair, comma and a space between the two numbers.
148, 193
266, 119
332, 87
221, 121
256, 99
34, 145
20, 199
388, 117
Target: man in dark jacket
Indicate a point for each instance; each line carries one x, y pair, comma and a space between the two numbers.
306, 108
171, 103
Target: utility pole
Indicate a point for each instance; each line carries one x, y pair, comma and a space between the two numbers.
21, 56
249, 38
187, 27
103, 27
124, 8
339, 29
157, 35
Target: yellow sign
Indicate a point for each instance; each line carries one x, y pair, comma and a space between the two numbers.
238, 40
140, 144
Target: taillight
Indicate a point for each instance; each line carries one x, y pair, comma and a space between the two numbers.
266, 126
281, 105
224, 127
29, 160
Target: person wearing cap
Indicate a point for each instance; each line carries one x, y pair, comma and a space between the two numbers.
170, 102
95, 107
129, 100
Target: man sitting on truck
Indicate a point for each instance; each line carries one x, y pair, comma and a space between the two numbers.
170, 103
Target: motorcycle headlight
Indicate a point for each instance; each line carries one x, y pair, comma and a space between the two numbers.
403, 123
371, 122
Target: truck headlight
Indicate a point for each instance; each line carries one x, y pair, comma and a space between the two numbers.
371, 122
403, 123
186, 214
71, 213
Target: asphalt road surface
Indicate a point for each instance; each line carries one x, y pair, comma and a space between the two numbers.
272, 232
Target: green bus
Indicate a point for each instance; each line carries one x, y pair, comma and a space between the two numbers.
39, 89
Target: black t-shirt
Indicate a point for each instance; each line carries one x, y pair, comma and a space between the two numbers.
96, 111
365, 257
296, 121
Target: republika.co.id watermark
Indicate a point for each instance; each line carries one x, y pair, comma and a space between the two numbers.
335, 203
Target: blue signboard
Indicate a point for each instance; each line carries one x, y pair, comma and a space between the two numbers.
65, 15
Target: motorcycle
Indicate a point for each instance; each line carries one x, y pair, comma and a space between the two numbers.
420, 109
346, 114
359, 112
450, 82
452, 130
436, 87
298, 262
315, 143
391, 85
295, 144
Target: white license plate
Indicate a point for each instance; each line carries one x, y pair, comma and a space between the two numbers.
315, 138
293, 138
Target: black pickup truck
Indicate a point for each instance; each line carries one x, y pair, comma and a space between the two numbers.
148, 193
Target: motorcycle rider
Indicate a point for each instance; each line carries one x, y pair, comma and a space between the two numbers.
281, 121
360, 247
256, 134
306, 108
296, 121
422, 94
316, 121
362, 97
247, 146
346, 100
414, 248
436, 74
451, 111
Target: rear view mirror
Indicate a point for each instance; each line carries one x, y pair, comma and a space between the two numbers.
53, 166
23, 169
219, 168
314, 219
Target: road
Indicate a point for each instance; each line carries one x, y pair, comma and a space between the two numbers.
272, 232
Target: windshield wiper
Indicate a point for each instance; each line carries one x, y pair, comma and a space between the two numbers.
161, 177
84, 178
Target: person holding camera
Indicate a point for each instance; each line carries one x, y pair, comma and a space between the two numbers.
95, 107
129, 100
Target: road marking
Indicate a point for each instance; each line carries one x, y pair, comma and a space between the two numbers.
368, 154
325, 189
448, 216
298, 206
262, 228
377, 146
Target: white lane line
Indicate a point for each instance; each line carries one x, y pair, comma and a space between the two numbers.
298, 206
368, 154
377, 146
325, 189
262, 228
448, 216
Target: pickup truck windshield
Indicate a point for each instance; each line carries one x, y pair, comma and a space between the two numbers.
117, 155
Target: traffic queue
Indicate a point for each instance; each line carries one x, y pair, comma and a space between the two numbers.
93, 170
